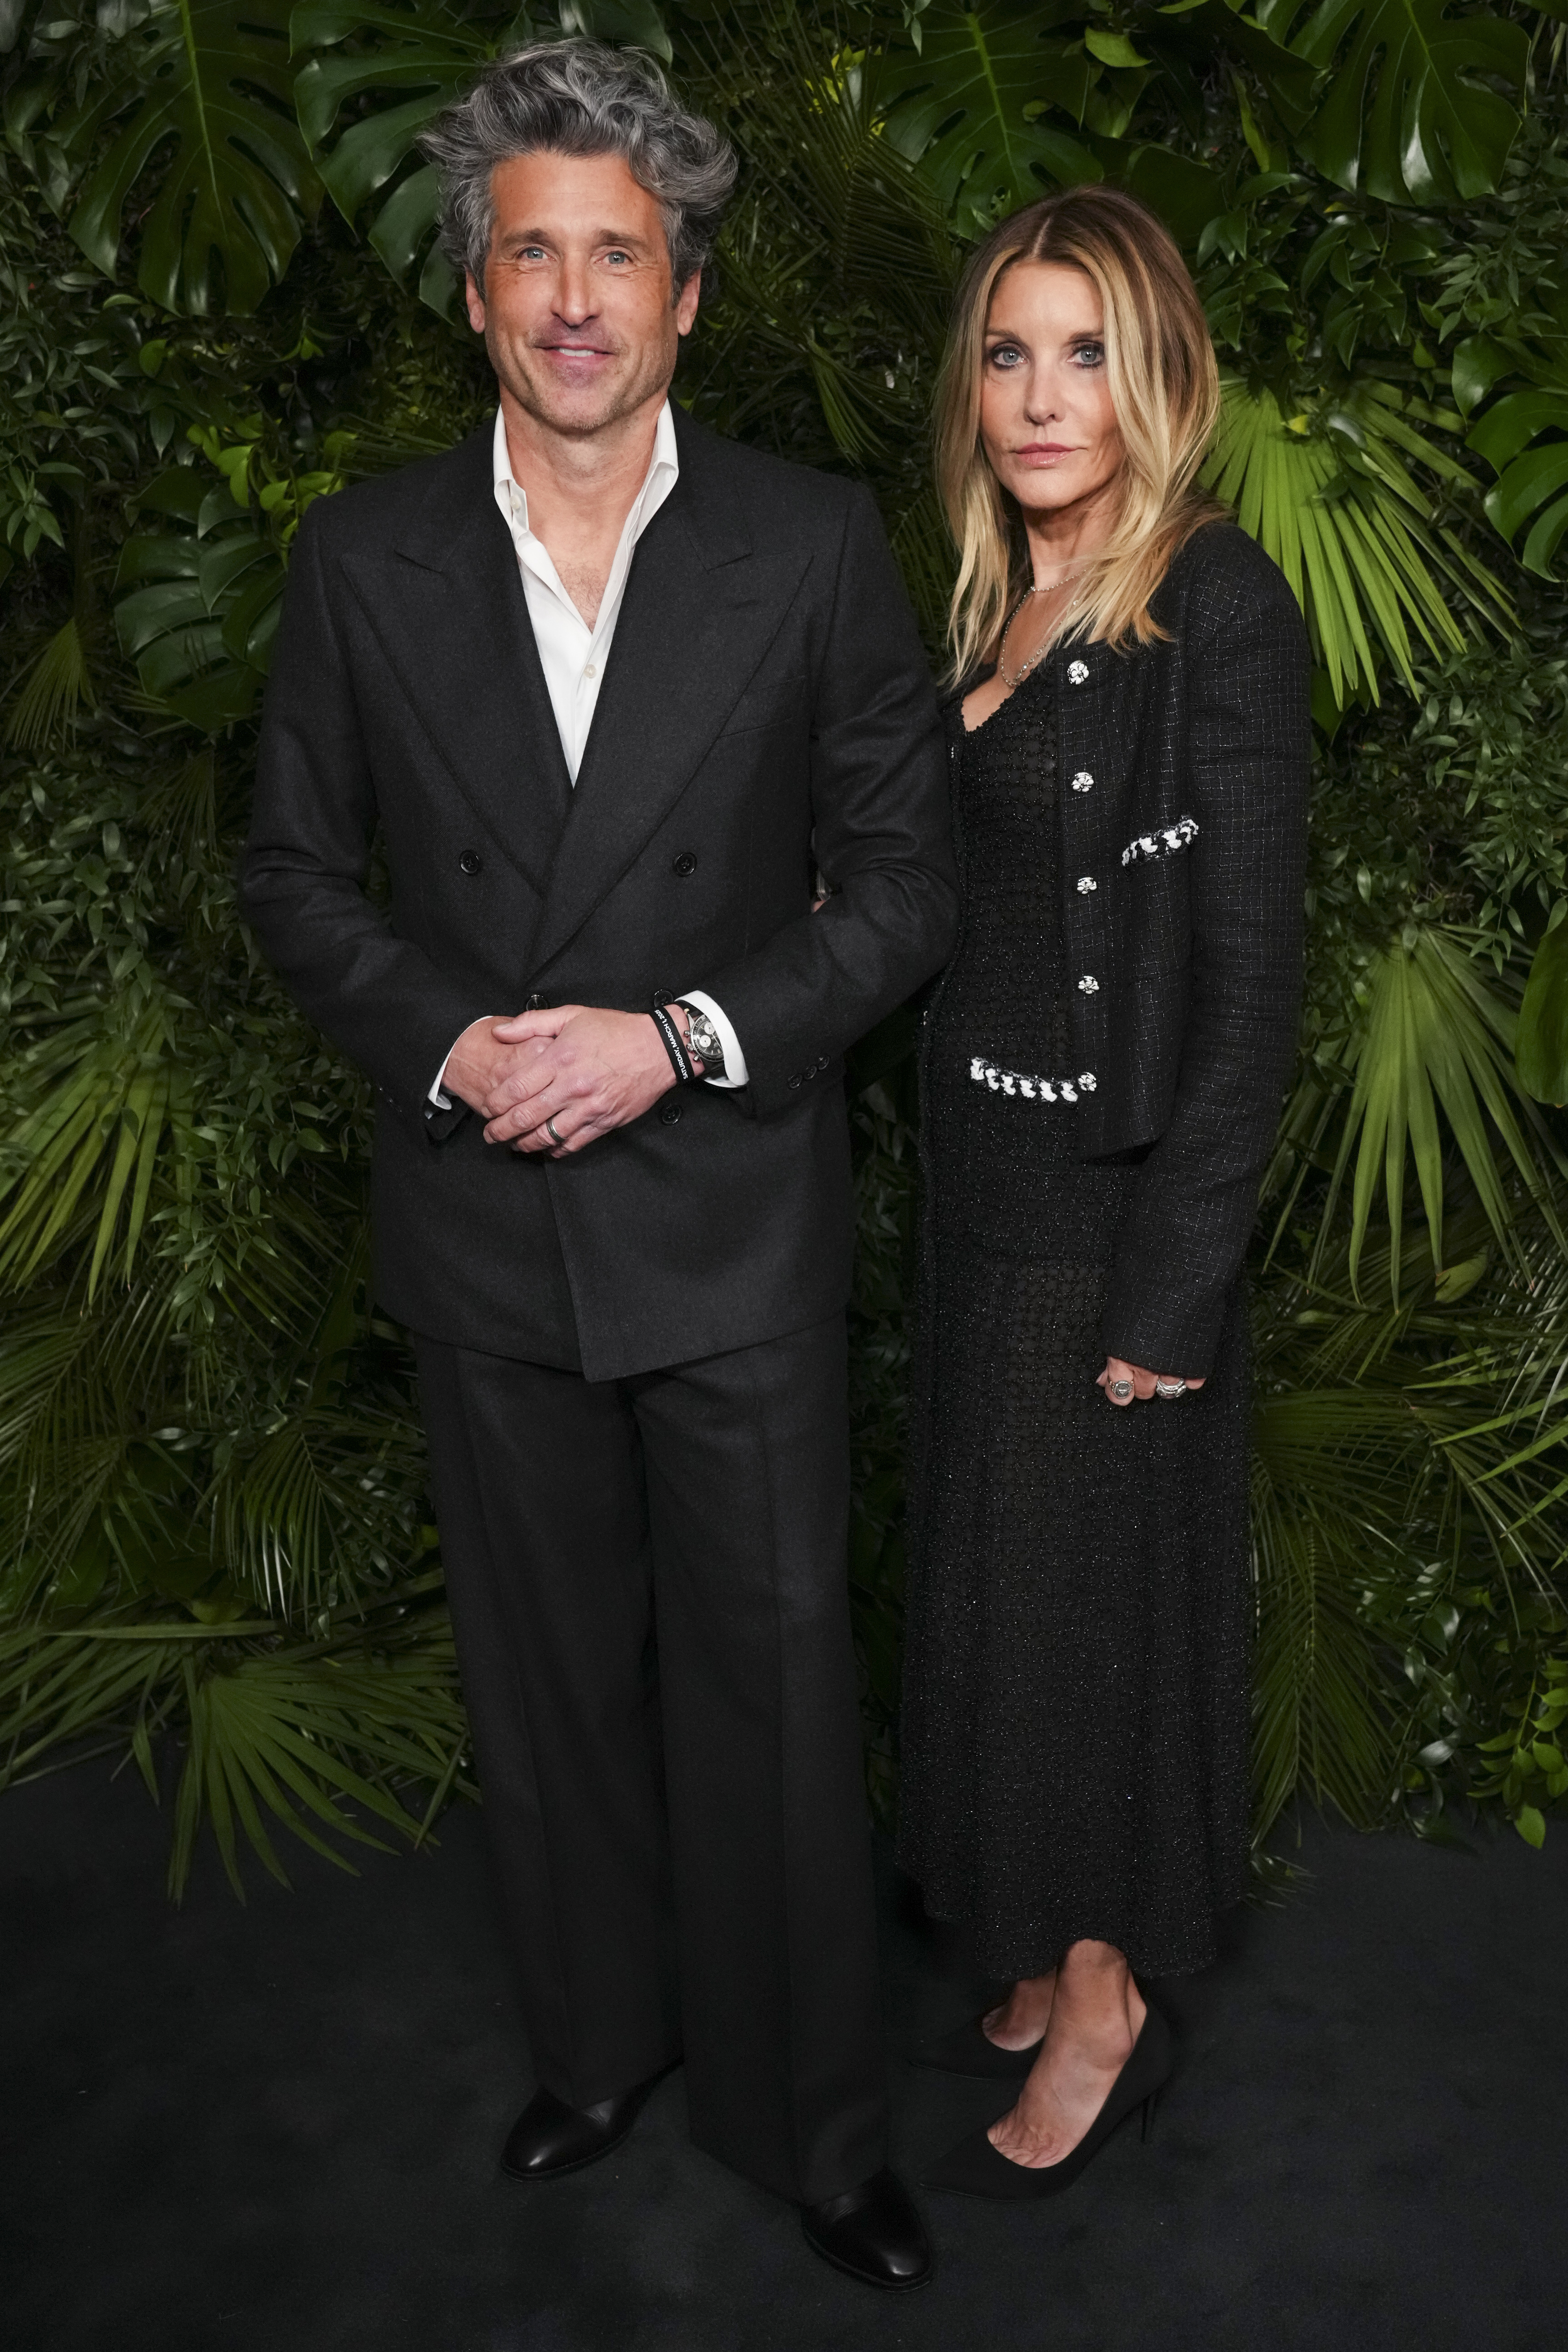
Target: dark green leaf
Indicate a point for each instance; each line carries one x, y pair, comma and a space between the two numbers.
1409, 114
202, 142
963, 106
1541, 1048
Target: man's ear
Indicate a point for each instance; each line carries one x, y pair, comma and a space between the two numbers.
476, 302
686, 303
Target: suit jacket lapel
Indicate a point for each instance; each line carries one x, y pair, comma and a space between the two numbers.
703, 607
448, 606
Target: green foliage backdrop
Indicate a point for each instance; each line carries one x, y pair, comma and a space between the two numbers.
223, 300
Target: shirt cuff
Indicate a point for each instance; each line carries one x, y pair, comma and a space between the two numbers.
438, 1095
735, 1071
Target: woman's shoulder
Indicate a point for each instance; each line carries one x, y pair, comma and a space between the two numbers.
1221, 564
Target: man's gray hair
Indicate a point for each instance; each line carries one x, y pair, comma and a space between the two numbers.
579, 98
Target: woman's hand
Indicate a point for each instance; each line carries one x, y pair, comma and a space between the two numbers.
1129, 1383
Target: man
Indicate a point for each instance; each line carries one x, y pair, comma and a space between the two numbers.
614, 691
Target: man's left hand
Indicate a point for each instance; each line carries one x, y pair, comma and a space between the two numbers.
591, 1072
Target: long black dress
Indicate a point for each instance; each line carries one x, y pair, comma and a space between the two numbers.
1075, 1730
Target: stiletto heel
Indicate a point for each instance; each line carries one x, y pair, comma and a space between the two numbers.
977, 2169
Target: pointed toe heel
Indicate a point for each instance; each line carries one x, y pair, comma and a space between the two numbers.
974, 2168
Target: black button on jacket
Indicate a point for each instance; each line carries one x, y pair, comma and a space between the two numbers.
1182, 774
766, 696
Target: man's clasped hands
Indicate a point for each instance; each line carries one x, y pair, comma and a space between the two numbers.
581, 1069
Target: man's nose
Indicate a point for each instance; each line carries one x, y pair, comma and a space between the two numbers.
573, 296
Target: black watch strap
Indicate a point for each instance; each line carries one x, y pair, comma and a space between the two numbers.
674, 1045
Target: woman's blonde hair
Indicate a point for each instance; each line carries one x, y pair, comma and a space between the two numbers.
1165, 390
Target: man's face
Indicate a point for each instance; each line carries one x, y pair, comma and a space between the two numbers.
577, 309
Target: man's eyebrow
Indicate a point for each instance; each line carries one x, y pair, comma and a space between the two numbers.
600, 236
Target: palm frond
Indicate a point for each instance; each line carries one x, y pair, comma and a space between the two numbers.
1434, 1036
48, 701
101, 1085
312, 1735
1329, 496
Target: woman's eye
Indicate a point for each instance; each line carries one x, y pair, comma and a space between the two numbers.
1005, 355
1089, 355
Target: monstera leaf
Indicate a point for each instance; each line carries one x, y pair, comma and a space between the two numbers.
1531, 493
1409, 114
202, 150
409, 62
968, 107
196, 610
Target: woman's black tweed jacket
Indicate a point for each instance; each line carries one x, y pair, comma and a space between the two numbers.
1182, 771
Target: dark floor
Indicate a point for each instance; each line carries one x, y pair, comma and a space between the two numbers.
277, 2128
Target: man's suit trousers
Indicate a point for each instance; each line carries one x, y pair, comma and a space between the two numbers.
647, 1582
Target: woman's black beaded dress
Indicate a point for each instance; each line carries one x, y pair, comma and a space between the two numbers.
1075, 1732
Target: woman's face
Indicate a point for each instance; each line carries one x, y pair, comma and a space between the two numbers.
1046, 418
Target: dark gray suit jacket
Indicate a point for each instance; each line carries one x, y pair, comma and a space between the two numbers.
766, 707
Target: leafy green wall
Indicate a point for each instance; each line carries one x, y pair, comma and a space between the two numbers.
223, 301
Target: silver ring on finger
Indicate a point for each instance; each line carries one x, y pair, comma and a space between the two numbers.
549, 1130
1121, 1388
1169, 1389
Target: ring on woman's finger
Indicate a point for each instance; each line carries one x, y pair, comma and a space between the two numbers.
551, 1132
1168, 1389
1121, 1388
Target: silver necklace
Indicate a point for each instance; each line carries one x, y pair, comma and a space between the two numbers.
1048, 589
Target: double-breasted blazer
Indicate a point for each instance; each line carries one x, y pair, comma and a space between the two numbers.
1183, 778
766, 709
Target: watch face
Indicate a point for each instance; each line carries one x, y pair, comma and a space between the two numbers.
704, 1040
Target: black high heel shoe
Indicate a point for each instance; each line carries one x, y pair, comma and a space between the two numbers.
976, 2169
969, 2050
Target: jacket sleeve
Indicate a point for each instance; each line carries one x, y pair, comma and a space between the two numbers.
1186, 1229
879, 809
302, 872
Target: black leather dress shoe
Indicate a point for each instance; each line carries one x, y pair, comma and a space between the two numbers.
873, 2232
550, 2137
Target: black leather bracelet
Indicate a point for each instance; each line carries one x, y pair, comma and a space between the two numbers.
674, 1045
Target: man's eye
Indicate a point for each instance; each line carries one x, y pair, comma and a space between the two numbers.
616, 254
530, 253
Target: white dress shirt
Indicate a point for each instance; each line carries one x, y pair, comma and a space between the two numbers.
572, 656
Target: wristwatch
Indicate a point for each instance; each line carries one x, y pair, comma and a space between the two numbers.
703, 1039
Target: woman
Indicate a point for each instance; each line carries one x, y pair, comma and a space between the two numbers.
1103, 1067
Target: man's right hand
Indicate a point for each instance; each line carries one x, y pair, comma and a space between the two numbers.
479, 1064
